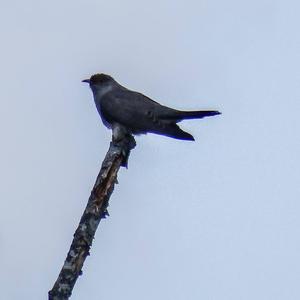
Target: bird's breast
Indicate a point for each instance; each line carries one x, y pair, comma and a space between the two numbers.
100, 111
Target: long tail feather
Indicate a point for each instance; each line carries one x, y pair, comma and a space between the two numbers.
184, 115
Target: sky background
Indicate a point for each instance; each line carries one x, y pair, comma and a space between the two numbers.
215, 219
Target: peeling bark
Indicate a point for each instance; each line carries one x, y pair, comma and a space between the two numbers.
95, 210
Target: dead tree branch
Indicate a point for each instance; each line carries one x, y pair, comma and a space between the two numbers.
95, 210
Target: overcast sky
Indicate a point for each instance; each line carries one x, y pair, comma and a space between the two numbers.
214, 219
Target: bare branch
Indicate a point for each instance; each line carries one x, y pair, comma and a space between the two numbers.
95, 210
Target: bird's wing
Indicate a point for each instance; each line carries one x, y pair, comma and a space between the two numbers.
134, 110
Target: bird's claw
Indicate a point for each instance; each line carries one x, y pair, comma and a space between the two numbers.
127, 143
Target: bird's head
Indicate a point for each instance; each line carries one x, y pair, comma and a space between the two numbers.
99, 80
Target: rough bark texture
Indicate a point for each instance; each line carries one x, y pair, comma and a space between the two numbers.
95, 210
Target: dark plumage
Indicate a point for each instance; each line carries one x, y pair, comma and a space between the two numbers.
126, 111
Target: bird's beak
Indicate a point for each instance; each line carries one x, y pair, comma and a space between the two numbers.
86, 80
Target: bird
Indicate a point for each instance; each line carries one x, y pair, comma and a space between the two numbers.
128, 112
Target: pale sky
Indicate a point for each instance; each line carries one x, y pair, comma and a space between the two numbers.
214, 219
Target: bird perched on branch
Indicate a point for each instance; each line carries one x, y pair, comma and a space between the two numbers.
129, 112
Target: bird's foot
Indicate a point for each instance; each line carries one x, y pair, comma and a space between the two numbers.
126, 143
